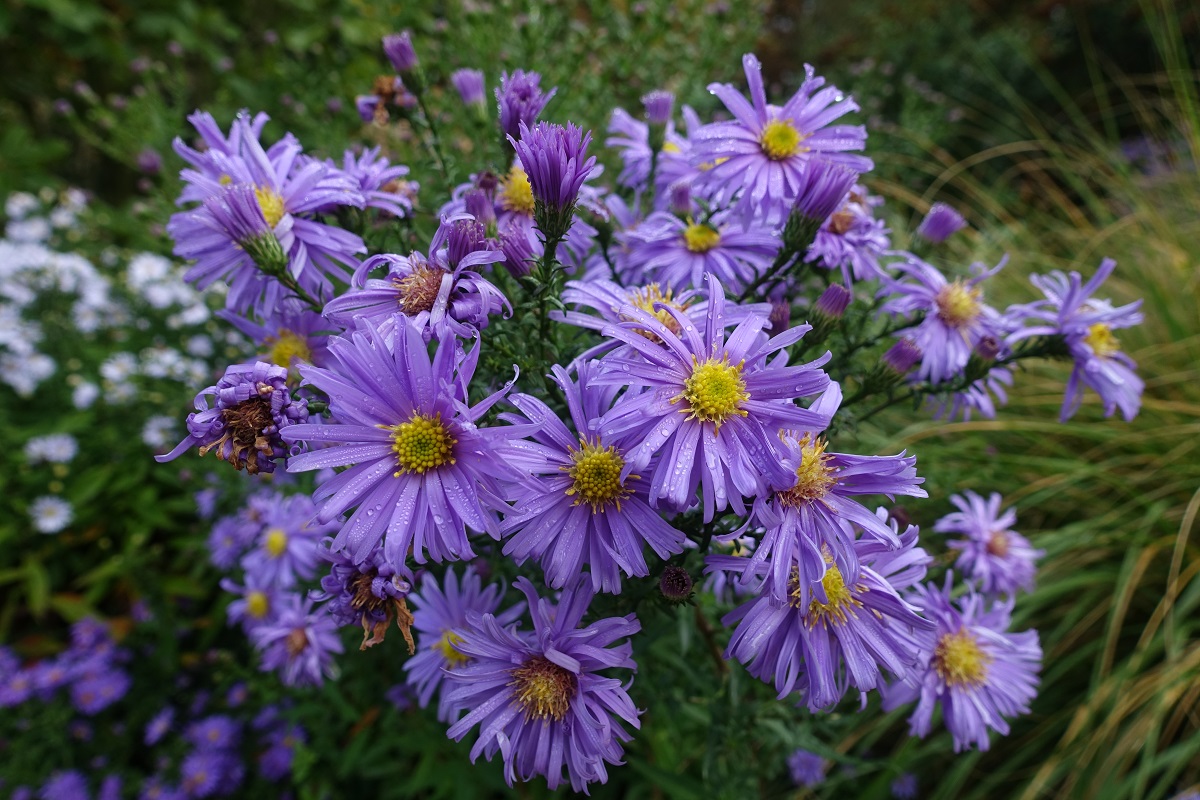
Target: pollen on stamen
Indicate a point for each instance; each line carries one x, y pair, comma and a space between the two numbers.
840, 599
814, 476
421, 444
780, 140
959, 660
288, 347
516, 192
650, 298
596, 476
271, 204
958, 304
418, 290
1100, 338
543, 689
447, 645
700, 237
714, 391
277, 542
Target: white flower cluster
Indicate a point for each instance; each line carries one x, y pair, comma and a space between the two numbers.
160, 283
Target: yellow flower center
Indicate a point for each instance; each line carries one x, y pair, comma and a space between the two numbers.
419, 289
257, 604
225, 180
516, 193
277, 542
998, 544
1100, 338
596, 476
288, 347
714, 391
271, 205
701, 238
958, 304
839, 598
421, 444
780, 140
448, 647
671, 147
959, 660
650, 295
814, 476
543, 689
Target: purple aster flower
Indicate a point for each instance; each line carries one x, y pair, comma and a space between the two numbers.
807, 768
539, 699
253, 405
289, 335
98, 689
205, 771
370, 594
421, 472
678, 253
470, 86
399, 49
204, 179
231, 536
149, 161
16, 686
760, 157
401, 697
157, 788
1087, 324
902, 356
851, 239
65, 785
521, 101
286, 550
632, 138
808, 520
381, 183
992, 553
258, 601
275, 763
823, 187
217, 732
982, 397
979, 672
298, 643
713, 406
940, 223
833, 302
847, 635
956, 318
556, 163
658, 105
905, 787
580, 507
89, 633
53, 674
439, 296
440, 617
110, 788
158, 726
725, 585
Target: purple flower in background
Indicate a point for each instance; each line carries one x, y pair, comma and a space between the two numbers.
217, 732
540, 700
658, 105
809, 520
851, 239
982, 397
1087, 324
905, 787
371, 594
847, 635
440, 617
205, 771
556, 163
580, 507
712, 405
149, 161
98, 689
979, 672
421, 472
807, 768
300, 644
290, 334
381, 183
521, 101
275, 763
759, 158
1001, 559
258, 601
956, 318
65, 785
110, 788
399, 49
470, 86
158, 726
677, 253
253, 406
940, 223
286, 550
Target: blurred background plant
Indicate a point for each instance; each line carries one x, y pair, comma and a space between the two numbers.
1063, 131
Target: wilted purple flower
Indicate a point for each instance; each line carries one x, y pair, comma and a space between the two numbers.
539, 700
1087, 324
677, 253
1001, 559
470, 86
847, 635
399, 49
421, 472
521, 101
972, 665
556, 163
371, 594
253, 405
658, 105
579, 507
714, 406
956, 318
298, 643
440, 617
940, 223
158, 726
807, 768
758, 160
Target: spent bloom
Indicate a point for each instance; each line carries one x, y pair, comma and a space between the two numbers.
539, 699
370, 594
758, 159
981, 674
991, 552
420, 471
